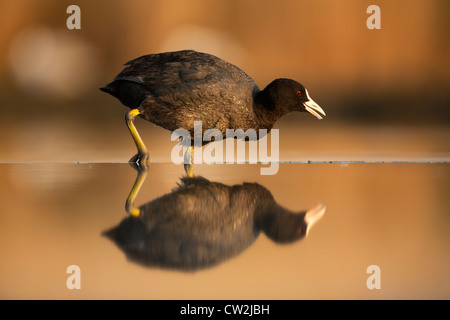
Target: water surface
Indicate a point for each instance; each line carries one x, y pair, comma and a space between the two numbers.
393, 215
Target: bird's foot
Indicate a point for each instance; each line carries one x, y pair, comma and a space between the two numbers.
189, 170
141, 160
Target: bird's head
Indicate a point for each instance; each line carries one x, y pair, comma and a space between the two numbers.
290, 95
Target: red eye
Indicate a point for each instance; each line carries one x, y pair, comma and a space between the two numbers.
299, 230
299, 93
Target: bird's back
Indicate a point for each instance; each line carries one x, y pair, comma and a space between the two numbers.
173, 89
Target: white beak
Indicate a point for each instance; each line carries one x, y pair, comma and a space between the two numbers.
312, 107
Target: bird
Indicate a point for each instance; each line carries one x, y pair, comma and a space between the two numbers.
174, 89
202, 223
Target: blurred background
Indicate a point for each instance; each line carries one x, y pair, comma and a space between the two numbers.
386, 92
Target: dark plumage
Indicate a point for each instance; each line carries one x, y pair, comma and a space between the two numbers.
201, 223
174, 89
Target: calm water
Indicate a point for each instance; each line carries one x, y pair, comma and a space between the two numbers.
395, 216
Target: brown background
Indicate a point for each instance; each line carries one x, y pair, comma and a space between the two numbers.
386, 94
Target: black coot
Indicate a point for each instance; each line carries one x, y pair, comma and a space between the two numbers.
174, 89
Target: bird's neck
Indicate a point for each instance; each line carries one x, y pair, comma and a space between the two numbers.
267, 109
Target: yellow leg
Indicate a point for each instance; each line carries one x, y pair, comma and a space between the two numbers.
129, 204
142, 157
188, 162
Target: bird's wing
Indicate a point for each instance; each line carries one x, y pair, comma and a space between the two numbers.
172, 69
189, 68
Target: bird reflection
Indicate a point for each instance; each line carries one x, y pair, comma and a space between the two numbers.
202, 223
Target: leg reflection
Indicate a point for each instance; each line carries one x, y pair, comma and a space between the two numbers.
141, 176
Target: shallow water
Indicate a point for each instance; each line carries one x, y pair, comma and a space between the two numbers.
393, 215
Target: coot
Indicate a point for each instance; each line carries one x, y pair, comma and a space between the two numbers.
174, 89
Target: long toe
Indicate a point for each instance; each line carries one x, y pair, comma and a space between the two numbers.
141, 160
134, 159
189, 170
